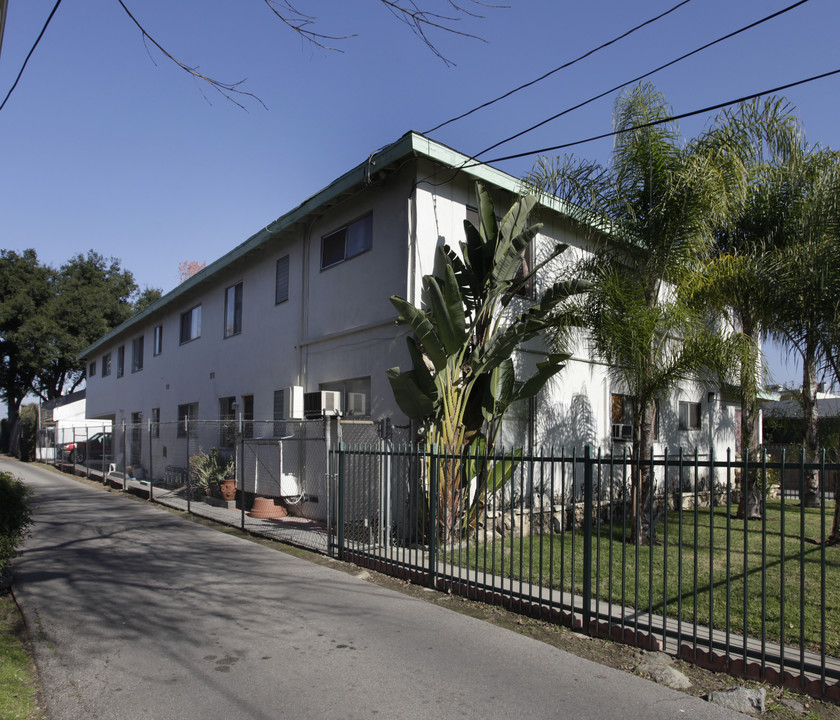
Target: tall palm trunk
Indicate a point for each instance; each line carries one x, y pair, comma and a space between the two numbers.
749, 502
810, 439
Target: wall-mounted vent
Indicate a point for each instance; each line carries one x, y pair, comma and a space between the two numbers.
323, 402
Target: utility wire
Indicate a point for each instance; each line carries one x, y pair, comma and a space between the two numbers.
558, 69
29, 54
641, 77
661, 121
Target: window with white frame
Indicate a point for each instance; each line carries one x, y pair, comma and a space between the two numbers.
137, 354
191, 324
157, 340
281, 280
346, 242
689, 415
233, 310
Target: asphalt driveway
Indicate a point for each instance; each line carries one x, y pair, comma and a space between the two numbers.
138, 613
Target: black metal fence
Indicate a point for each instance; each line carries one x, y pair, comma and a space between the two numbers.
673, 566
562, 537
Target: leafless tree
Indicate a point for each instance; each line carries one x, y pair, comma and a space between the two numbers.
421, 19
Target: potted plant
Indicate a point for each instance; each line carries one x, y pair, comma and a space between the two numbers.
213, 475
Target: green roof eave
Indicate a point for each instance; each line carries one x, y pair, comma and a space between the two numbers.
412, 144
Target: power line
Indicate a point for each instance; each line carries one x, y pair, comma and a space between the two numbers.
557, 69
29, 54
661, 121
641, 77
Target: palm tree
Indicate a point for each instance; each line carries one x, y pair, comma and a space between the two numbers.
807, 277
651, 217
737, 281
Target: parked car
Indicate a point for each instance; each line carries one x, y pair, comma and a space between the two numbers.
96, 447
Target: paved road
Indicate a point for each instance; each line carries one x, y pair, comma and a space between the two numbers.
140, 614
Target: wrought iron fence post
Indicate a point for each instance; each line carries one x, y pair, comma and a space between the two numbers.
151, 469
240, 472
433, 501
340, 503
189, 474
125, 453
588, 477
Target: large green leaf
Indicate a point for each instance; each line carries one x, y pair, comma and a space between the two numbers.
423, 329
507, 263
546, 369
422, 375
412, 401
439, 314
454, 303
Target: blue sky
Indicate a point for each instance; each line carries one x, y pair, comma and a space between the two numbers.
107, 145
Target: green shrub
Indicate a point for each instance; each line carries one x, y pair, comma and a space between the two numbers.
15, 516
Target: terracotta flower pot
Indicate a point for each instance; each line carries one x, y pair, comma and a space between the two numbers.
266, 508
228, 489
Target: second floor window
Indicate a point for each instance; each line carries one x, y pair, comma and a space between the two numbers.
158, 340
120, 361
106, 364
347, 242
281, 280
233, 310
137, 354
191, 324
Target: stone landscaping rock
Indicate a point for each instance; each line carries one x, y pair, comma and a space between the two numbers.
659, 667
797, 707
654, 658
667, 676
742, 700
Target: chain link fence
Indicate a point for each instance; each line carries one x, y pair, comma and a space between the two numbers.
284, 481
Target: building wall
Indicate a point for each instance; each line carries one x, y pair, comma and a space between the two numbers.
338, 325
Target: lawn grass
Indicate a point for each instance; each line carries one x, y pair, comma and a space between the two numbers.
18, 683
701, 569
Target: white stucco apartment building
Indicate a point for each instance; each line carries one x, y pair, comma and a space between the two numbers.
304, 303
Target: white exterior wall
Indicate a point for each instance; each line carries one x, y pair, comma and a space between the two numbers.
338, 324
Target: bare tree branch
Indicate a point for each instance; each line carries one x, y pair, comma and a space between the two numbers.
300, 22
226, 90
421, 22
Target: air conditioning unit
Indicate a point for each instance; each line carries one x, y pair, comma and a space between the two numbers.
622, 431
293, 403
356, 404
323, 402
